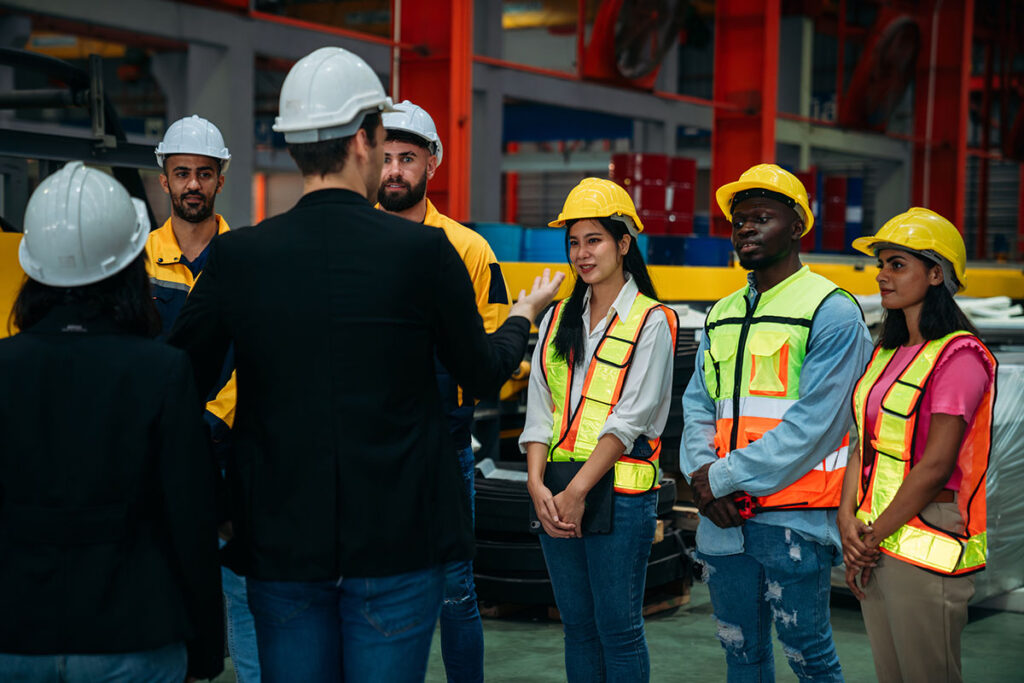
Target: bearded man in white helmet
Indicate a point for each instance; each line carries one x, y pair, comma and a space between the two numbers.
193, 160
412, 153
345, 498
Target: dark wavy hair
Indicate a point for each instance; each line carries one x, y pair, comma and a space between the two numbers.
569, 336
939, 316
125, 297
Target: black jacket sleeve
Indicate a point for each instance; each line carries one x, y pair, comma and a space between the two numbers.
478, 362
200, 330
187, 474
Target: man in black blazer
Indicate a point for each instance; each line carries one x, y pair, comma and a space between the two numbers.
345, 498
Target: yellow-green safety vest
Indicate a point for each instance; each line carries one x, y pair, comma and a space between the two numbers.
752, 372
575, 433
942, 551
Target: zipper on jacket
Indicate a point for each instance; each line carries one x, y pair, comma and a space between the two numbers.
738, 377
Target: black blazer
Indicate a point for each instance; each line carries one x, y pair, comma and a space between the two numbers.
343, 462
108, 537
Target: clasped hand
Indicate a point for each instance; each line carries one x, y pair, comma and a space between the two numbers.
560, 515
721, 511
860, 551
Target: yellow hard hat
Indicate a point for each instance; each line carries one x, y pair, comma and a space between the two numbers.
920, 230
599, 198
774, 179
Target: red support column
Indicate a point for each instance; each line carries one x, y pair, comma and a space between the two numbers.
940, 108
439, 79
747, 75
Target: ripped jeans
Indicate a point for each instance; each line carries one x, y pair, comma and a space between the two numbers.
780, 578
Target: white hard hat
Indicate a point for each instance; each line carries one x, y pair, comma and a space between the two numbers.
193, 135
81, 227
414, 119
326, 95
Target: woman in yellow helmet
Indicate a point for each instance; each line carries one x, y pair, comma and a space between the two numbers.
597, 406
912, 515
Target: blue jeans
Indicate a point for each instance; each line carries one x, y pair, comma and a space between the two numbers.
462, 633
779, 578
360, 630
164, 665
599, 588
241, 629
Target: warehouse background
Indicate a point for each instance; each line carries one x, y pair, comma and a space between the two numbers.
880, 104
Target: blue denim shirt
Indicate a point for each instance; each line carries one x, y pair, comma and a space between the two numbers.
838, 350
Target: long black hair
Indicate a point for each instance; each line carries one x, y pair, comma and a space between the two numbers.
939, 316
569, 336
124, 296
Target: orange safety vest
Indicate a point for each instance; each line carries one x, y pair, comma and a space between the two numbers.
575, 433
941, 551
752, 372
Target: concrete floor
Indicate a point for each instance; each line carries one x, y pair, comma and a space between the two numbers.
684, 648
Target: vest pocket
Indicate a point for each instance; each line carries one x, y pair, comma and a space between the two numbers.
769, 363
718, 364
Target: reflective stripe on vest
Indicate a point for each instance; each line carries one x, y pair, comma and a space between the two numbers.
752, 371
918, 542
575, 433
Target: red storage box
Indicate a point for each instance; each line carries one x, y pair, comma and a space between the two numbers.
679, 197
648, 196
680, 223
833, 229
682, 170
655, 222
631, 169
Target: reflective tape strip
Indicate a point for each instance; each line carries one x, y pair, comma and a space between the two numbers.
836, 460
754, 406
180, 286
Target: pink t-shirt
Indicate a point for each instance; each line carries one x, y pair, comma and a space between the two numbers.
956, 387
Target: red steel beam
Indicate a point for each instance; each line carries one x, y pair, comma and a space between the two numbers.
746, 77
439, 79
940, 111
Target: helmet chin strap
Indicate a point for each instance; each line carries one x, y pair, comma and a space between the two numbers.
628, 222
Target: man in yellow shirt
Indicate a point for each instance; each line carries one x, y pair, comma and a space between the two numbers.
412, 153
193, 159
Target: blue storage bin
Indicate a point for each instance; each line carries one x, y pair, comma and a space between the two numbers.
506, 239
708, 251
666, 250
701, 224
544, 245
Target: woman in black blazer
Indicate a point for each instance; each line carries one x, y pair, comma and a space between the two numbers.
108, 548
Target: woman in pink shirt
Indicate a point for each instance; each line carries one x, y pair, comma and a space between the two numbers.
912, 516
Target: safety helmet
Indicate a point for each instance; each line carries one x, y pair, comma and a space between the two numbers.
599, 198
414, 119
920, 230
81, 227
326, 96
193, 135
777, 181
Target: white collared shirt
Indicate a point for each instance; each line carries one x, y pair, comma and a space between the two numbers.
646, 395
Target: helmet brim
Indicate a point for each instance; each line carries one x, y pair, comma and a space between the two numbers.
725, 193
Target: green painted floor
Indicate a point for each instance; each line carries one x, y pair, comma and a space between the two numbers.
684, 648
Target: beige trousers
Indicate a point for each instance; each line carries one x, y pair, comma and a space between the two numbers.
914, 617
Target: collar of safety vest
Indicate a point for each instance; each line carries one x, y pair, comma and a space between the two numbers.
163, 245
777, 290
623, 302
